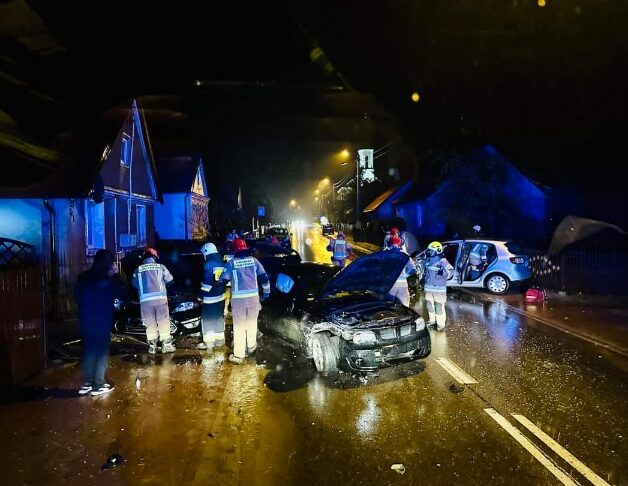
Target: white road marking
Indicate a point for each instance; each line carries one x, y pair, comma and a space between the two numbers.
531, 448
561, 451
454, 370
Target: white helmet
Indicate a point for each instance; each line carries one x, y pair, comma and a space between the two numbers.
208, 249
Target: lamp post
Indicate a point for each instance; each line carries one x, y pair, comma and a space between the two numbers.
357, 191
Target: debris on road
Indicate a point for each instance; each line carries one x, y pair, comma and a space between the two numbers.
112, 461
455, 388
400, 468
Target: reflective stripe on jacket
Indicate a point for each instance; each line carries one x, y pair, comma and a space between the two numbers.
437, 271
212, 291
150, 280
243, 273
340, 249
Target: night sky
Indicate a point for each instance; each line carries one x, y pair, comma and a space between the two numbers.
544, 85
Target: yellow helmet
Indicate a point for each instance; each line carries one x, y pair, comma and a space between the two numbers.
436, 247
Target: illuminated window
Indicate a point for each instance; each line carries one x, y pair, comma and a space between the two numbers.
125, 151
94, 226
141, 224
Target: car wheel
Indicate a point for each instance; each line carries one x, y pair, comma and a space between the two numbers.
497, 283
325, 354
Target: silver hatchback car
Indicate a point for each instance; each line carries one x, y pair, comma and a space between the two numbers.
482, 263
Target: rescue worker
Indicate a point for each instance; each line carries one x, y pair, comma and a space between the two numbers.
340, 250
151, 279
213, 294
399, 290
437, 271
394, 232
245, 273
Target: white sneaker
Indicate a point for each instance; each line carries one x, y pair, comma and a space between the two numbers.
235, 360
102, 389
201, 345
152, 348
168, 348
85, 389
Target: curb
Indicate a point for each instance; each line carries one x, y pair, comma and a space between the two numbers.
547, 322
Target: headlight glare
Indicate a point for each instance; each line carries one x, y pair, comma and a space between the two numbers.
364, 337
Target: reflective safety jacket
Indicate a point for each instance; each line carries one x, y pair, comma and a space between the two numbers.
437, 271
340, 249
243, 272
212, 291
150, 279
409, 270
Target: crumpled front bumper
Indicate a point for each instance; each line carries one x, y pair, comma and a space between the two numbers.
353, 358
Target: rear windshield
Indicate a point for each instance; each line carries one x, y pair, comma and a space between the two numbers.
515, 248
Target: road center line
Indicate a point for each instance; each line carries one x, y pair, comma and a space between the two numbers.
561, 451
454, 370
531, 448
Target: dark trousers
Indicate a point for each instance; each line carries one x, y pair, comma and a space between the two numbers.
95, 359
213, 323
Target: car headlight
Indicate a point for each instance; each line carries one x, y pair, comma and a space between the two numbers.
364, 337
419, 323
185, 306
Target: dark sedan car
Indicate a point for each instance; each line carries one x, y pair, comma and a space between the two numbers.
344, 319
183, 295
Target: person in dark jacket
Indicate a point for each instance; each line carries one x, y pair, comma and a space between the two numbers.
213, 294
95, 292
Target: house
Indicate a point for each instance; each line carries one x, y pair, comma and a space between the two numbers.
183, 214
381, 208
485, 189
84, 206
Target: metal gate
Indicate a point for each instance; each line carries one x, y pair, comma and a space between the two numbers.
22, 324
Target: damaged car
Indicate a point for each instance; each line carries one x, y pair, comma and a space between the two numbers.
345, 320
183, 296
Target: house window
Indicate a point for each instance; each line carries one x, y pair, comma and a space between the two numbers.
125, 151
94, 226
141, 225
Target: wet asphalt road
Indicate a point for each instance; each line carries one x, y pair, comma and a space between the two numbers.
195, 419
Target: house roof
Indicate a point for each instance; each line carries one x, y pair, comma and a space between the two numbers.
379, 200
484, 161
416, 192
176, 174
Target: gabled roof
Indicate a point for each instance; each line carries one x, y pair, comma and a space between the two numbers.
379, 200
177, 174
391, 195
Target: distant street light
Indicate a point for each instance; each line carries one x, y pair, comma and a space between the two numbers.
345, 153
415, 97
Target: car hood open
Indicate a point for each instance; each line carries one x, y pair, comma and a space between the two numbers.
376, 273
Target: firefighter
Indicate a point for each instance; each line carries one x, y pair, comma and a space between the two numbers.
245, 273
340, 250
399, 290
151, 279
437, 271
394, 232
213, 294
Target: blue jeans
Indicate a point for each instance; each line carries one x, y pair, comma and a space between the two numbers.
95, 360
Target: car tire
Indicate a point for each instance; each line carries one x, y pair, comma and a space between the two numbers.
325, 353
497, 283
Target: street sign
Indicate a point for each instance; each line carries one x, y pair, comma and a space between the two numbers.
261, 211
